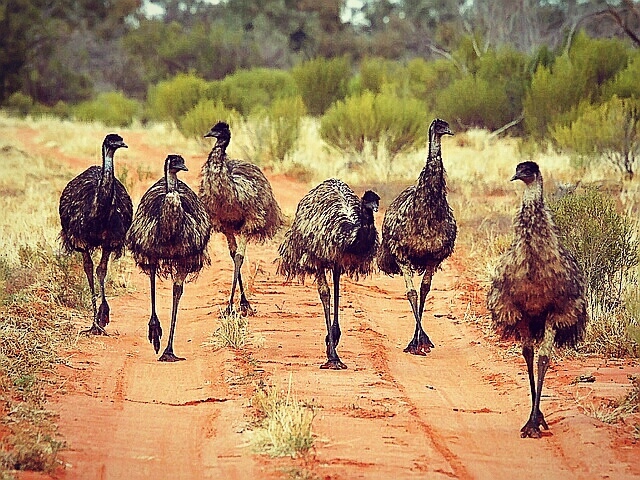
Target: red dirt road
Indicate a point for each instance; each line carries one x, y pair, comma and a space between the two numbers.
455, 413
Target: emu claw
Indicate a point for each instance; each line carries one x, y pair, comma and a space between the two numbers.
531, 429
334, 364
168, 356
94, 329
421, 347
245, 308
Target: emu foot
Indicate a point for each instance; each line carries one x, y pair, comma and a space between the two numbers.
102, 317
155, 332
246, 308
333, 364
420, 346
94, 329
169, 356
531, 429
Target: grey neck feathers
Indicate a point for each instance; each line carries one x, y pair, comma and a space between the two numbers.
218, 152
171, 179
432, 179
533, 193
105, 189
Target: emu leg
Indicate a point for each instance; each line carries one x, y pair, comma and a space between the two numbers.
155, 330
420, 344
531, 429
101, 273
95, 328
237, 250
168, 355
333, 361
335, 327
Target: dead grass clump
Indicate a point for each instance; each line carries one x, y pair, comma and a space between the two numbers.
284, 423
232, 331
617, 410
32, 443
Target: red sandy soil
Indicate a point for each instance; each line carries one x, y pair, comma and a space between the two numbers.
455, 413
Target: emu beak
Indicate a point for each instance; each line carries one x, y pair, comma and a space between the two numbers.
209, 134
448, 132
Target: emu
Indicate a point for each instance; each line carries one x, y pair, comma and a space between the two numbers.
419, 232
95, 212
168, 238
333, 230
240, 203
537, 295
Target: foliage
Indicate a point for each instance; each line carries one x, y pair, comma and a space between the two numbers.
603, 242
246, 90
111, 108
375, 72
170, 99
279, 127
232, 331
198, 120
398, 123
625, 84
285, 423
553, 93
610, 130
475, 102
322, 82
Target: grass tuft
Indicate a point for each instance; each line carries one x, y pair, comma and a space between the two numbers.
232, 331
284, 427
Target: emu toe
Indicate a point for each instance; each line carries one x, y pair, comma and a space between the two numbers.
95, 329
155, 333
102, 317
246, 308
420, 346
531, 429
333, 364
169, 356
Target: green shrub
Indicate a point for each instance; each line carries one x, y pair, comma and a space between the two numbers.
169, 100
199, 119
475, 102
625, 84
553, 94
111, 108
603, 242
376, 71
610, 131
247, 90
321, 82
398, 123
428, 79
278, 127
19, 104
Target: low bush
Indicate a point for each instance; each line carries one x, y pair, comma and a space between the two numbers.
398, 123
198, 120
278, 128
111, 108
170, 99
322, 82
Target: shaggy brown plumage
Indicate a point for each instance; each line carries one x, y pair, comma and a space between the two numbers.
169, 237
240, 203
537, 295
95, 212
419, 232
333, 230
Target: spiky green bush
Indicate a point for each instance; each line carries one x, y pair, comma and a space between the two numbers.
609, 131
170, 99
398, 123
111, 108
198, 120
248, 90
278, 128
321, 82
603, 241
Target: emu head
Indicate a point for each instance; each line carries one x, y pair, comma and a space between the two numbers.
220, 131
174, 163
112, 142
370, 200
528, 172
438, 128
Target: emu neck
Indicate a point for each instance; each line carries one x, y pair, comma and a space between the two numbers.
171, 179
218, 153
105, 189
533, 217
432, 178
